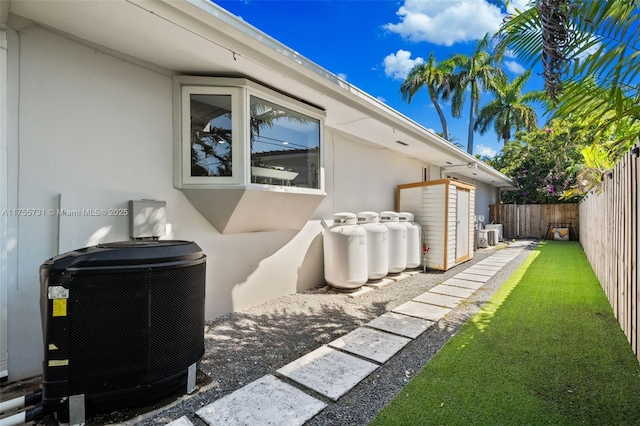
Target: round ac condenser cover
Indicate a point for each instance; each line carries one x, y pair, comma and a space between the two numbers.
122, 322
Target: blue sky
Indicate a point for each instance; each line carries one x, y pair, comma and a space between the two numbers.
373, 44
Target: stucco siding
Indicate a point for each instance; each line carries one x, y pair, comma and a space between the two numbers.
94, 131
485, 195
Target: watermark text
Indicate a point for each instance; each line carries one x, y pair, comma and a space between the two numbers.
63, 212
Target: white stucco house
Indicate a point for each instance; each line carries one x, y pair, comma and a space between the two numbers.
248, 143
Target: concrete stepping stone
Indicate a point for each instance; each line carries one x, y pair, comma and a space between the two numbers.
492, 260
372, 344
495, 267
486, 267
328, 371
489, 262
478, 271
438, 299
449, 290
422, 310
463, 283
505, 255
182, 421
502, 258
472, 277
262, 402
401, 324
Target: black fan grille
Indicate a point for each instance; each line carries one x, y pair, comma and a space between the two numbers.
131, 329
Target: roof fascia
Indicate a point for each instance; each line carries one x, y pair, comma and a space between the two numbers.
241, 38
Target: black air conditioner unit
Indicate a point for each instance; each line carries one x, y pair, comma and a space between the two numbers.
123, 324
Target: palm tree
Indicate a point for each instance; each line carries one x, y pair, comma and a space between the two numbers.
586, 48
476, 73
437, 79
509, 109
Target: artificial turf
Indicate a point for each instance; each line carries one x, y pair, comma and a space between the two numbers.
545, 350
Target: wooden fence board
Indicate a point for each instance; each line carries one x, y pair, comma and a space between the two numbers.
609, 236
533, 220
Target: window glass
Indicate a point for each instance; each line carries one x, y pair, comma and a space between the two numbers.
211, 138
285, 146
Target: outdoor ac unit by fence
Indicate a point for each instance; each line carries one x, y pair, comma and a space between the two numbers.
497, 226
492, 236
481, 238
123, 324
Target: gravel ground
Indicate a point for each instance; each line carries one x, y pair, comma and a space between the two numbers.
244, 346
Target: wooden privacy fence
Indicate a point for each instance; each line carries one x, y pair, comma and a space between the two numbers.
609, 237
534, 220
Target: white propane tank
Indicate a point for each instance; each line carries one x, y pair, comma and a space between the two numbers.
397, 241
345, 253
414, 237
377, 245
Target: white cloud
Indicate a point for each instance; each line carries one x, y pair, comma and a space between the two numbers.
508, 53
587, 52
342, 76
514, 67
485, 151
519, 5
381, 99
446, 22
397, 65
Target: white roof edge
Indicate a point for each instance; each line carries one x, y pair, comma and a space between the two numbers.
263, 38
328, 79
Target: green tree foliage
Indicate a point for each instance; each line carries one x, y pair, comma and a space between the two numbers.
436, 77
595, 163
590, 53
510, 109
544, 163
615, 127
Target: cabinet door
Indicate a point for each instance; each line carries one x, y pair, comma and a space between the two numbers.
462, 225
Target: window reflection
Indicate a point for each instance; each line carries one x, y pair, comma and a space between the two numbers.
285, 146
211, 135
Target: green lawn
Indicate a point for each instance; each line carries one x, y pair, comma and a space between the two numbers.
546, 350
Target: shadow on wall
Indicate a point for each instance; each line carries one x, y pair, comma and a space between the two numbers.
233, 280
250, 268
243, 269
311, 271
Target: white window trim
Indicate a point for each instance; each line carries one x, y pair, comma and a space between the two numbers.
236, 135
241, 90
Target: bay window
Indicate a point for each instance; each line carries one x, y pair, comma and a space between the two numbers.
235, 133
